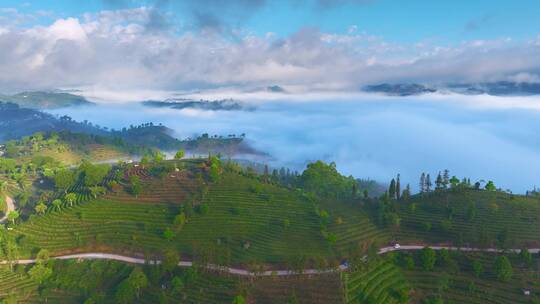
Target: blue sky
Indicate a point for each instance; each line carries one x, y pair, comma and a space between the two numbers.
399, 21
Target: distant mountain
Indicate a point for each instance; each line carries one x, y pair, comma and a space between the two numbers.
208, 105
45, 100
275, 89
400, 89
501, 88
16, 122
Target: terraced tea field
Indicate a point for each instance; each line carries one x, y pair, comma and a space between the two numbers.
378, 282
354, 229
240, 226
480, 217
320, 289
464, 287
174, 188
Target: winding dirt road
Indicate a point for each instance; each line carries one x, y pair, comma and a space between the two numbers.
244, 272
10, 207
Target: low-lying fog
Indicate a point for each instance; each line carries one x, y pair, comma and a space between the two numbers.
479, 137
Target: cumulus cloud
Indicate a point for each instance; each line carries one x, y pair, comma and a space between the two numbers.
128, 48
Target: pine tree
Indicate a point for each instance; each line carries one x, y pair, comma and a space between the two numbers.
446, 178
423, 183
398, 187
439, 182
392, 189
428, 183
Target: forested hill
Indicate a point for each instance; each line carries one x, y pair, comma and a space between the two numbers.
45, 100
16, 122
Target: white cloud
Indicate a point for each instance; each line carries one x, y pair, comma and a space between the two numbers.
69, 29
115, 49
369, 136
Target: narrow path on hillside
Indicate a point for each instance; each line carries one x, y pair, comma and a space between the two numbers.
10, 207
244, 272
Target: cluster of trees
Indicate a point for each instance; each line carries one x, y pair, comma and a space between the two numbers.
324, 180
284, 176
7, 165
428, 259
214, 168
443, 181
91, 175
31, 144
395, 191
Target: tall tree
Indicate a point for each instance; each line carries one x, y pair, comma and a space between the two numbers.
439, 182
138, 280
428, 183
398, 187
446, 178
503, 268
423, 183
392, 189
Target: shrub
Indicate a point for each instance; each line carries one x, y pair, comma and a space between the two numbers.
428, 258
203, 209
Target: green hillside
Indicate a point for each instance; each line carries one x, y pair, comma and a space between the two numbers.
236, 218
45, 100
477, 217
211, 211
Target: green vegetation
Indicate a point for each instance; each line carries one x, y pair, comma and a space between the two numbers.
213, 211
468, 216
378, 281
471, 278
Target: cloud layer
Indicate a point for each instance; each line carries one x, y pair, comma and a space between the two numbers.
369, 137
137, 48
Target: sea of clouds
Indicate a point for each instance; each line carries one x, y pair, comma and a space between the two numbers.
368, 136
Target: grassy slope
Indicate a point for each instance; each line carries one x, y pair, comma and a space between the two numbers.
236, 216
495, 213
